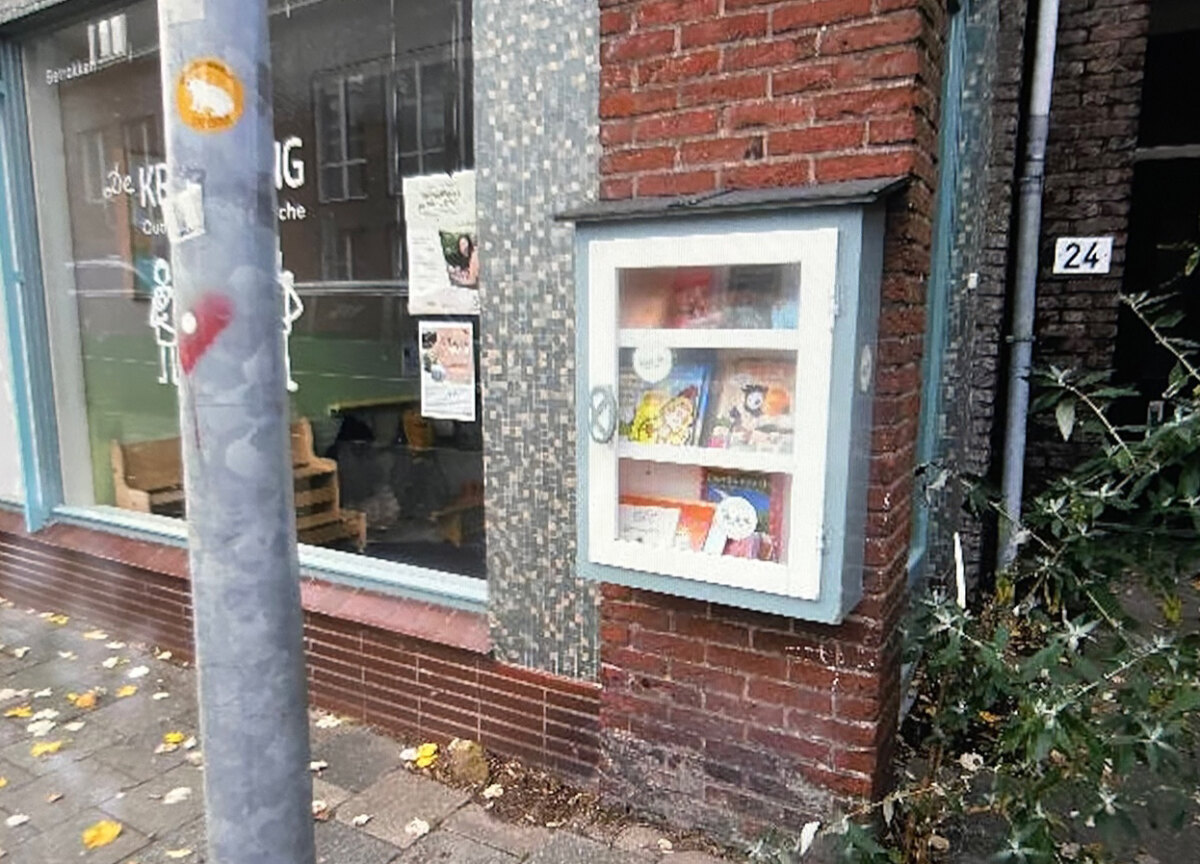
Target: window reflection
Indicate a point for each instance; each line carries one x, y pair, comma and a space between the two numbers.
366, 92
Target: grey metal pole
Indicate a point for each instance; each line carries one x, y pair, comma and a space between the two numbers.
1029, 234
220, 210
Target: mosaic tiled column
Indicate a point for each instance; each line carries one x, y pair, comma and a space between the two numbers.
536, 93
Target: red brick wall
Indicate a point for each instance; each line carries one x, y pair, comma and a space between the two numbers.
734, 719
408, 686
714, 715
705, 94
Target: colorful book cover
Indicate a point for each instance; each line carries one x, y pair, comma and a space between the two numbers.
760, 539
753, 409
694, 521
694, 301
645, 300
669, 411
652, 525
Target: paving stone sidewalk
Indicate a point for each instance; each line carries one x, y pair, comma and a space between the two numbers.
108, 769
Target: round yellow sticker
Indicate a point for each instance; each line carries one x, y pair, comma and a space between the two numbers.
209, 96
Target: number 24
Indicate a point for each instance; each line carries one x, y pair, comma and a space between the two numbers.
1091, 259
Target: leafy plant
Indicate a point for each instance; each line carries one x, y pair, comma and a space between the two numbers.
1059, 715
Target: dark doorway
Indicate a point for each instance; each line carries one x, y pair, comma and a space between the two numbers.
1165, 212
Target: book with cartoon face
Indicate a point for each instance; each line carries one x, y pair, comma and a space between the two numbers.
753, 409
753, 526
669, 411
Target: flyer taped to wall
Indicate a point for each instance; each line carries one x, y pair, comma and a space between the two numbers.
448, 370
443, 244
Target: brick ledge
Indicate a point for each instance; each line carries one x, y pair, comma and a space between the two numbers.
437, 624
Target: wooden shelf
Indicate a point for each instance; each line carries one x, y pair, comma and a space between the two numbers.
755, 340
709, 457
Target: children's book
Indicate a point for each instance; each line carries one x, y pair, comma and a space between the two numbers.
760, 537
650, 524
694, 300
692, 524
669, 411
645, 298
753, 409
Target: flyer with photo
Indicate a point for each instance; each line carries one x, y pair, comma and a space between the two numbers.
448, 370
442, 243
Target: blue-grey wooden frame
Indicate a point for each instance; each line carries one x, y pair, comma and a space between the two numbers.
25, 308
860, 263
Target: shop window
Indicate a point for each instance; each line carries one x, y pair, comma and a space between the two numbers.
369, 95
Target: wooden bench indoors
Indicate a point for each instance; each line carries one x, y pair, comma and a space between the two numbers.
148, 477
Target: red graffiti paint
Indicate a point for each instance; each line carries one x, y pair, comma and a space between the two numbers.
211, 314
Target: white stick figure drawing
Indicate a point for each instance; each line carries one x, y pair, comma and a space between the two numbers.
162, 315
293, 308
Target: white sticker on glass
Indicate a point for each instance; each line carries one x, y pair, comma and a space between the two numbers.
652, 363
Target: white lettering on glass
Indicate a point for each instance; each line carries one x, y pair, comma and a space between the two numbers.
289, 169
150, 184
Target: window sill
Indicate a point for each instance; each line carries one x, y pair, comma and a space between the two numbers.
440, 607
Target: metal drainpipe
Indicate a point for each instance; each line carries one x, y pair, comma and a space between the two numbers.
1029, 230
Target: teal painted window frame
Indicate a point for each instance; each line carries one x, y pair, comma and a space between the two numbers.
937, 298
36, 414
28, 333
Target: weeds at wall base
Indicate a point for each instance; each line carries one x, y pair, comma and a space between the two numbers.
1056, 715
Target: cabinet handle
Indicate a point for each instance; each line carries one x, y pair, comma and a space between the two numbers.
603, 417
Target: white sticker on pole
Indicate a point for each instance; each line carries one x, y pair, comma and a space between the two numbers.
1083, 256
184, 212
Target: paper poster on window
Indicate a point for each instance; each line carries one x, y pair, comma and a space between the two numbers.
443, 253
448, 370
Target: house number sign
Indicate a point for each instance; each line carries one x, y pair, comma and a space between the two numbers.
1083, 256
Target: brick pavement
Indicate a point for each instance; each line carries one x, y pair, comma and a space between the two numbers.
108, 769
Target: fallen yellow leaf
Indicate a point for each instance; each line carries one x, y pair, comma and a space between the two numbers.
21, 711
989, 718
427, 750
127, 690
175, 738
101, 834
178, 853
3, 782
85, 700
45, 748
60, 620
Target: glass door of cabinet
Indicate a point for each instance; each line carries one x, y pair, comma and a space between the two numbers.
712, 356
